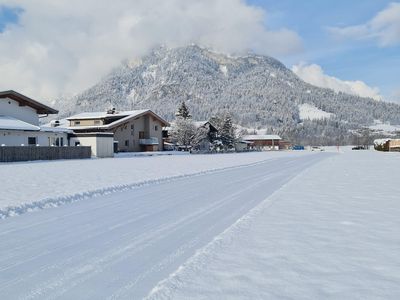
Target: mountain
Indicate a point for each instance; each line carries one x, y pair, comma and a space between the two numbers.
259, 92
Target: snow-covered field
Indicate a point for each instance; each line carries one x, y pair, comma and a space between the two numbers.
120, 245
331, 233
289, 225
32, 185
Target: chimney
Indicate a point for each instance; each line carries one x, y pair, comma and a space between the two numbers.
111, 111
55, 123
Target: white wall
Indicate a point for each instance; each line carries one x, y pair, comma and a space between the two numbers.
9, 107
16, 137
101, 146
105, 147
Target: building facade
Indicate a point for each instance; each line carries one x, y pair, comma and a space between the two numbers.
133, 131
19, 122
263, 142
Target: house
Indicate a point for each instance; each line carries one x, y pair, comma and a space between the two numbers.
19, 122
212, 133
390, 145
132, 131
394, 145
204, 133
263, 142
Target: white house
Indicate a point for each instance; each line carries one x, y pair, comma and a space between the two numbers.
19, 122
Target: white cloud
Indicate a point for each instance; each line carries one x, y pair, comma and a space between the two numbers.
314, 75
64, 46
384, 28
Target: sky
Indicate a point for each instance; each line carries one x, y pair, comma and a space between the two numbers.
58, 48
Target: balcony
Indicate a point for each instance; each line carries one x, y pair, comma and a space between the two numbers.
149, 141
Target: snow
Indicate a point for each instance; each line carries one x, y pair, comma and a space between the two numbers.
104, 114
256, 137
385, 127
266, 225
331, 233
52, 183
10, 123
224, 70
308, 111
118, 246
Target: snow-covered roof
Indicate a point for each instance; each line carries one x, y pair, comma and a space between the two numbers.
55, 129
258, 137
102, 114
10, 123
199, 123
125, 116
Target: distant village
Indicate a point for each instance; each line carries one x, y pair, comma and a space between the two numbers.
101, 134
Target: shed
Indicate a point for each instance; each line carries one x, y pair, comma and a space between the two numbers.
102, 143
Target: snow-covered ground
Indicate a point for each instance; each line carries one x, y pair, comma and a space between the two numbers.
32, 185
289, 225
120, 245
331, 233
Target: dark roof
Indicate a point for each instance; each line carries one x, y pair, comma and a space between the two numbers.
24, 100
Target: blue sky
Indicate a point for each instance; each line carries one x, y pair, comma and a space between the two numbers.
8, 15
335, 35
347, 60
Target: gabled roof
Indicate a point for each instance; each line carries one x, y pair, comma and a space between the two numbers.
260, 137
24, 100
10, 123
199, 124
125, 116
103, 115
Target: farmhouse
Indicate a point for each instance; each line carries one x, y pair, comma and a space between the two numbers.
263, 142
212, 133
138, 130
391, 145
19, 122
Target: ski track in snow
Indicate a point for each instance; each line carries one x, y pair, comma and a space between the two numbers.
331, 233
120, 245
37, 185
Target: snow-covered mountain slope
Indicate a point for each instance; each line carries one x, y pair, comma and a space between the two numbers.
310, 112
259, 91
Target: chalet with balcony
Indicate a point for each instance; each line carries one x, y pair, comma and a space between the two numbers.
133, 131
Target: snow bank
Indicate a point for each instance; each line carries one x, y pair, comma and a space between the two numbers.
36, 185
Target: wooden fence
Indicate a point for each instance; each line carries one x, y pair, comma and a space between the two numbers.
25, 153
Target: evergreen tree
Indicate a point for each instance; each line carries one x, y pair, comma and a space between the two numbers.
227, 133
183, 111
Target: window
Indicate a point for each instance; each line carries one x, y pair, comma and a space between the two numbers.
127, 143
132, 130
77, 122
156, 127
32, 141
141, 134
